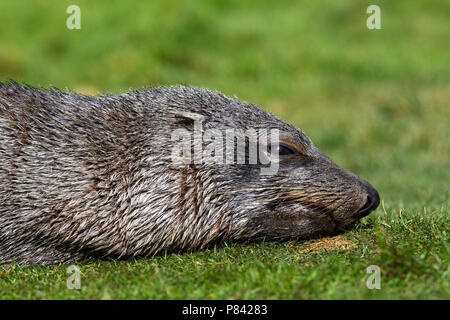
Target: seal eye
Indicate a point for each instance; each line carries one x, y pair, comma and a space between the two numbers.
280, 149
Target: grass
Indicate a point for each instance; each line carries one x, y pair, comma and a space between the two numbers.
375, 101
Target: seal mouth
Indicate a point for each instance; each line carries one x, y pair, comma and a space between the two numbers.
371, 204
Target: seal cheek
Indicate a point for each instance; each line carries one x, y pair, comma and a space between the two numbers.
322, 226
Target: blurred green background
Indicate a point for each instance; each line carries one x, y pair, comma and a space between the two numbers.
376, 101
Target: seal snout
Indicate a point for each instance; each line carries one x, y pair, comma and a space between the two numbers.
372, 202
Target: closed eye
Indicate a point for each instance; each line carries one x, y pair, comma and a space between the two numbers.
280, 149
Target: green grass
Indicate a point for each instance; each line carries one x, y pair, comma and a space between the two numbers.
377, 102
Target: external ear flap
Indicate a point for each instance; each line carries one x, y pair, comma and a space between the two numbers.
187, 118
187, 137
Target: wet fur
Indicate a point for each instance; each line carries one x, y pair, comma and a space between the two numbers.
84, 177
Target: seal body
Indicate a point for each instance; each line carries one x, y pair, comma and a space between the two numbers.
86, 177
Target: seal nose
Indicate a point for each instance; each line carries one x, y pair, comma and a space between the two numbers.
373, 200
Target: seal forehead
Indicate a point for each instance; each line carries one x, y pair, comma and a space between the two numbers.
234, 111
216, 110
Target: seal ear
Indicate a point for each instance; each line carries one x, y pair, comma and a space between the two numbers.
187, 118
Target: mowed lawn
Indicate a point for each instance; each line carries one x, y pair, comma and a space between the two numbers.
376, 101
